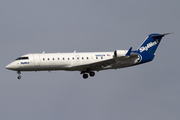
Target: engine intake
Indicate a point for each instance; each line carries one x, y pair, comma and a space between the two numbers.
120, 53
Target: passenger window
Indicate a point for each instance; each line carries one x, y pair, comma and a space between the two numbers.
53, 58
48, 58
82, 58
63, 59
43, 58
78, 58
87, 58
73, 58
58, 58
96, 57
68, 58
101, 57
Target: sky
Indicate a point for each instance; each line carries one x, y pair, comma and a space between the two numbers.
145, 92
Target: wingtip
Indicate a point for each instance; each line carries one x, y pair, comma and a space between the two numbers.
129, 51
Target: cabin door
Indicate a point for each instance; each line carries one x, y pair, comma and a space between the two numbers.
37, 61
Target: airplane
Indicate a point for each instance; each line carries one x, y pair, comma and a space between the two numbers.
88, 62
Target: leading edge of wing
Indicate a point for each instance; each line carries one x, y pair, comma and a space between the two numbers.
96, 66
105, 64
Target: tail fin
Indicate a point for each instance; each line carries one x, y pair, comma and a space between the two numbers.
151, 43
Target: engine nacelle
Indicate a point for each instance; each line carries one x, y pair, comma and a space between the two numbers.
120, 53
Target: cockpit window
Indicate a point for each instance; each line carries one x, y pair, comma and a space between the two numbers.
22, 58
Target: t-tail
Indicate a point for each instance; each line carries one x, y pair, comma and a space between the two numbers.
148, 48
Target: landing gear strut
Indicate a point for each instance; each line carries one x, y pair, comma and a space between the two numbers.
19, 74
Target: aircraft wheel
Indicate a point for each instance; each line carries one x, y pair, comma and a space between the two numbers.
19, 74
85, 76
19, 77
92, 74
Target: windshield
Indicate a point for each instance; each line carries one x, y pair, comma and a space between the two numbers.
22, 58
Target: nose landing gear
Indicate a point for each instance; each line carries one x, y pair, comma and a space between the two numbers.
19, 74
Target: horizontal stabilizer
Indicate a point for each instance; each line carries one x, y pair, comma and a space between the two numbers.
161, 35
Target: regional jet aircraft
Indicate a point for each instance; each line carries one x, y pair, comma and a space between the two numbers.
88, 62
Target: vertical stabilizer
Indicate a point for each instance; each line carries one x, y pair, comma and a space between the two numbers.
151, 43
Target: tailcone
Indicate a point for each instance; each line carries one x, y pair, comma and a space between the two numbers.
143, 58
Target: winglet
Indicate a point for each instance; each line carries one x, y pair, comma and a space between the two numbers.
129, 51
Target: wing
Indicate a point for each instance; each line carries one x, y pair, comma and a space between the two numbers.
105, 64
96, 66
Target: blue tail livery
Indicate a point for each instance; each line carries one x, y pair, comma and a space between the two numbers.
148, 48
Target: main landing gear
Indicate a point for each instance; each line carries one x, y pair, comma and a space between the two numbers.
19, 74
85, 75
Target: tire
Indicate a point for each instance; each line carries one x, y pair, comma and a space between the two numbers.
85, 76
19, 77
92, 74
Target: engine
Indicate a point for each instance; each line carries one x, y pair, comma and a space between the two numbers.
120, 53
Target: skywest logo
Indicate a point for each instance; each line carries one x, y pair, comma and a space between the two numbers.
149, 45
24, 62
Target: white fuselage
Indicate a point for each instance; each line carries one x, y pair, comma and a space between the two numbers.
88, 62
66, 61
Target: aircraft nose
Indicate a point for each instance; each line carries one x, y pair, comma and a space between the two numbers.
11, 66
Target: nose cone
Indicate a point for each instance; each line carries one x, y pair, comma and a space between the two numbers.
12, 66
8, 67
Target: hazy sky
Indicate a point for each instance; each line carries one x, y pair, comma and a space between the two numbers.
145, 92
